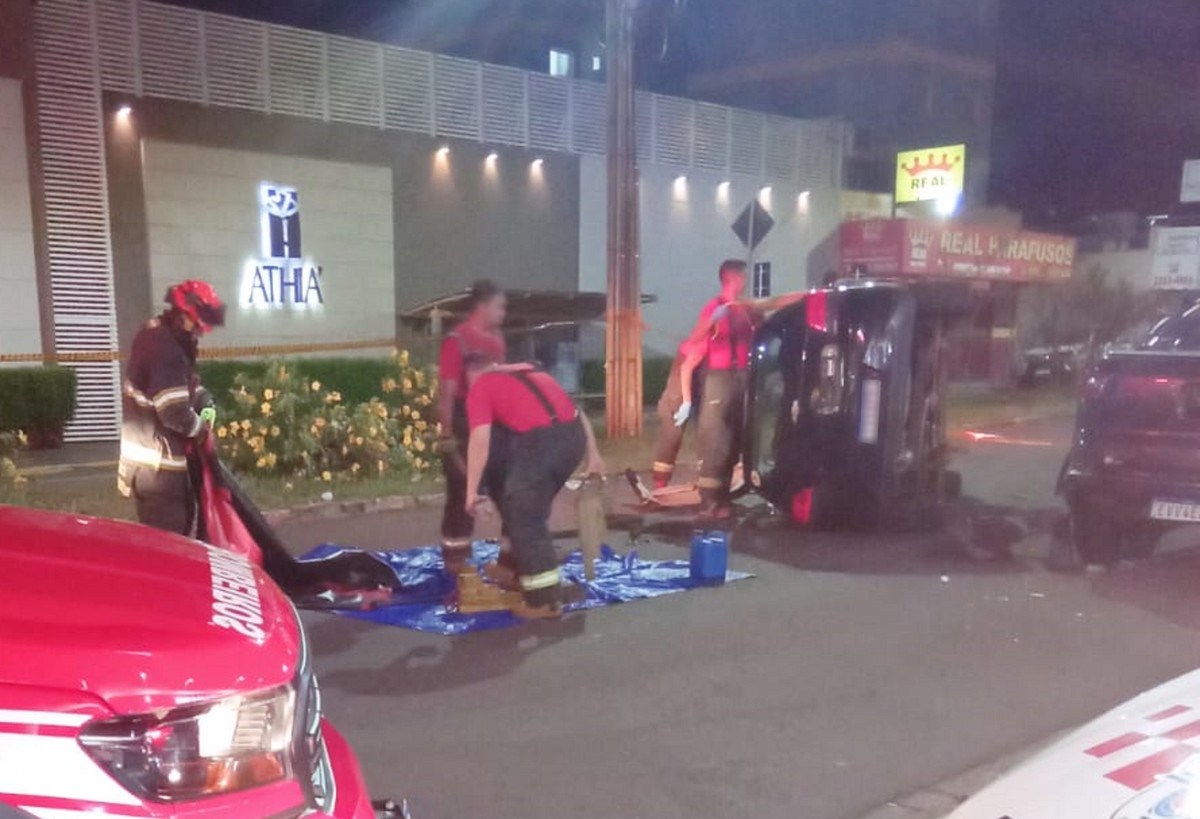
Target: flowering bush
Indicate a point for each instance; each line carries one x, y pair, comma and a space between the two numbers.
10, 442
289, 425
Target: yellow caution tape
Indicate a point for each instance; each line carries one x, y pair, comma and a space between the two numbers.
205, 353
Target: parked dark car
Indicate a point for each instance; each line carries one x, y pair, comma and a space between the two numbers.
846, 421
1134, 466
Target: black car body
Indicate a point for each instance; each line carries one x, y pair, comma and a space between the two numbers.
845, 422
1134, 466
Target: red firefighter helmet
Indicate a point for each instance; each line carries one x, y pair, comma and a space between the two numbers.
199, 302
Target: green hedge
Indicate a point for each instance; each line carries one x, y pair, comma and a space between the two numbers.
654, 377
357, 379
36, 400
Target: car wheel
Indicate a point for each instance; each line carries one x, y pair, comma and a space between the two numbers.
1093, 536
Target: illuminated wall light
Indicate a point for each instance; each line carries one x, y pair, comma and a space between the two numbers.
443, 152
679, 189
125, 111
723, 193
764, 196
492, 158
804, 203
538, 163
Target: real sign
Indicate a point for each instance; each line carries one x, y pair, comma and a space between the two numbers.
930, 174
282, 277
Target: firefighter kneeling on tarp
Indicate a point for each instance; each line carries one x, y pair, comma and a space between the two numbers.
523, 422
157, 398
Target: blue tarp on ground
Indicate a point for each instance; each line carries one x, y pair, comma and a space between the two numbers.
421, 604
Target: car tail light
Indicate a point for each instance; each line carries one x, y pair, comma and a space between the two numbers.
203, 750
816, 311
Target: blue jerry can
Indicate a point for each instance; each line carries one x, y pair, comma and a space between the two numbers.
710, 557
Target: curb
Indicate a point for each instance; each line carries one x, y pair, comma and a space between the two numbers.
334, 510
938, 801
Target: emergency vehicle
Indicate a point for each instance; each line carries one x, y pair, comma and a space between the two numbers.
144, 674
1139, 761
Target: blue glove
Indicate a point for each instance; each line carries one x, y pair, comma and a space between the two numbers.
683, 413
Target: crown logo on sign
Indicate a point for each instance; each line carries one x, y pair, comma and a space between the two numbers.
931, 163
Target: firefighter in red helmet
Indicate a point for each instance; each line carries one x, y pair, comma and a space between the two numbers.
158, 399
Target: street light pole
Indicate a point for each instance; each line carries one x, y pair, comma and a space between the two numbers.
623, 339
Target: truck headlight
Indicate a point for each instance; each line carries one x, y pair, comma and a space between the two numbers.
200, 750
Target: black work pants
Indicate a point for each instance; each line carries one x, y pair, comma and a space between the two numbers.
722, 416
540, 462
164, 500
670, 437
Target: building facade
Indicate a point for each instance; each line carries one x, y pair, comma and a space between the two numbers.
326, 184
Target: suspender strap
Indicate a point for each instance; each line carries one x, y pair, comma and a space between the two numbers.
523, 377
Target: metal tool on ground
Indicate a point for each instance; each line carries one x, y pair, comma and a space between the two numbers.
591, 508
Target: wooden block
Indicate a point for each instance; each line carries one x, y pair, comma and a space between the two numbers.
593, 524
475, 595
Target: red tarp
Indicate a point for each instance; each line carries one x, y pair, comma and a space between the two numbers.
910, 247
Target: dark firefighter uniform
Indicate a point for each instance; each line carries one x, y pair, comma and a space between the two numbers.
539, 440
723, 407
156, 399
670, 435
457, 526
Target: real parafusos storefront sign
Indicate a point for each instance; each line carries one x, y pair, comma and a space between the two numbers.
910, 247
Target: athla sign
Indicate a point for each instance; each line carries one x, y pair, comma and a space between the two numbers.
282, 276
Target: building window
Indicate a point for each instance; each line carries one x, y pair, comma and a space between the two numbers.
562, 63
762, 280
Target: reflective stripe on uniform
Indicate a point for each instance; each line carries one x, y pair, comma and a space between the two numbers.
660, 466
175, 395
152, 458
545, 580
456, 542
137, 396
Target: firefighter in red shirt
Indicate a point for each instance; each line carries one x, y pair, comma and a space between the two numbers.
476, 335
727, 326
157, 401
522, 421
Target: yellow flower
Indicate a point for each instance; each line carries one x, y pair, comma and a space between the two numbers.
419, 377
355, 467
380, 465
406, 410
403, 357
287, 487
333, 397
262, 462
381, 411
359, 440
422, 426
274, 432
419, 445
389, 385
326, 476
246, 425
314, 429
263, 431
268, 394
416, 416
266, 408
320, 422
316, 386
407, 384
424, 400
222, 432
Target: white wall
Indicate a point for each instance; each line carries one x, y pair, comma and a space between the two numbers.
20, 329
685, 234
202, 209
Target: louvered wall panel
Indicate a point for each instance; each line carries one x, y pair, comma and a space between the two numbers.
408, 89
70, 125
456, 97
710, 146
355, 82
235, 59
169, 50
118, 60
296, 73
673, 123
746, 143
813, 167
780, 139
504, 105
548, 119
589, 118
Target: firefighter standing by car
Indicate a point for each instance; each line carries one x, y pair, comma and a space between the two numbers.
476, 335
526, 428
675, 409
157, 401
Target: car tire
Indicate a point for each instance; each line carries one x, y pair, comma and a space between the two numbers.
1093, 536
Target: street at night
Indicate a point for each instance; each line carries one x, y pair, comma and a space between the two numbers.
850, 671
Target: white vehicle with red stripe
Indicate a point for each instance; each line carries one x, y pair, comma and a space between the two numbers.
146, 675
1139, 761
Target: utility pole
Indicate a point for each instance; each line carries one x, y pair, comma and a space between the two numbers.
623, 339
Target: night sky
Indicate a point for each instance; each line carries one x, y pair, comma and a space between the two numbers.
1097, 101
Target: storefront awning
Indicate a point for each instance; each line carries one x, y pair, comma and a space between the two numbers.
911, 247
527, 309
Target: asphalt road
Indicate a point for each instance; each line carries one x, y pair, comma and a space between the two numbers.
850, 670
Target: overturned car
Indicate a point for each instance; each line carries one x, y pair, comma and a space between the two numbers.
846, 420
